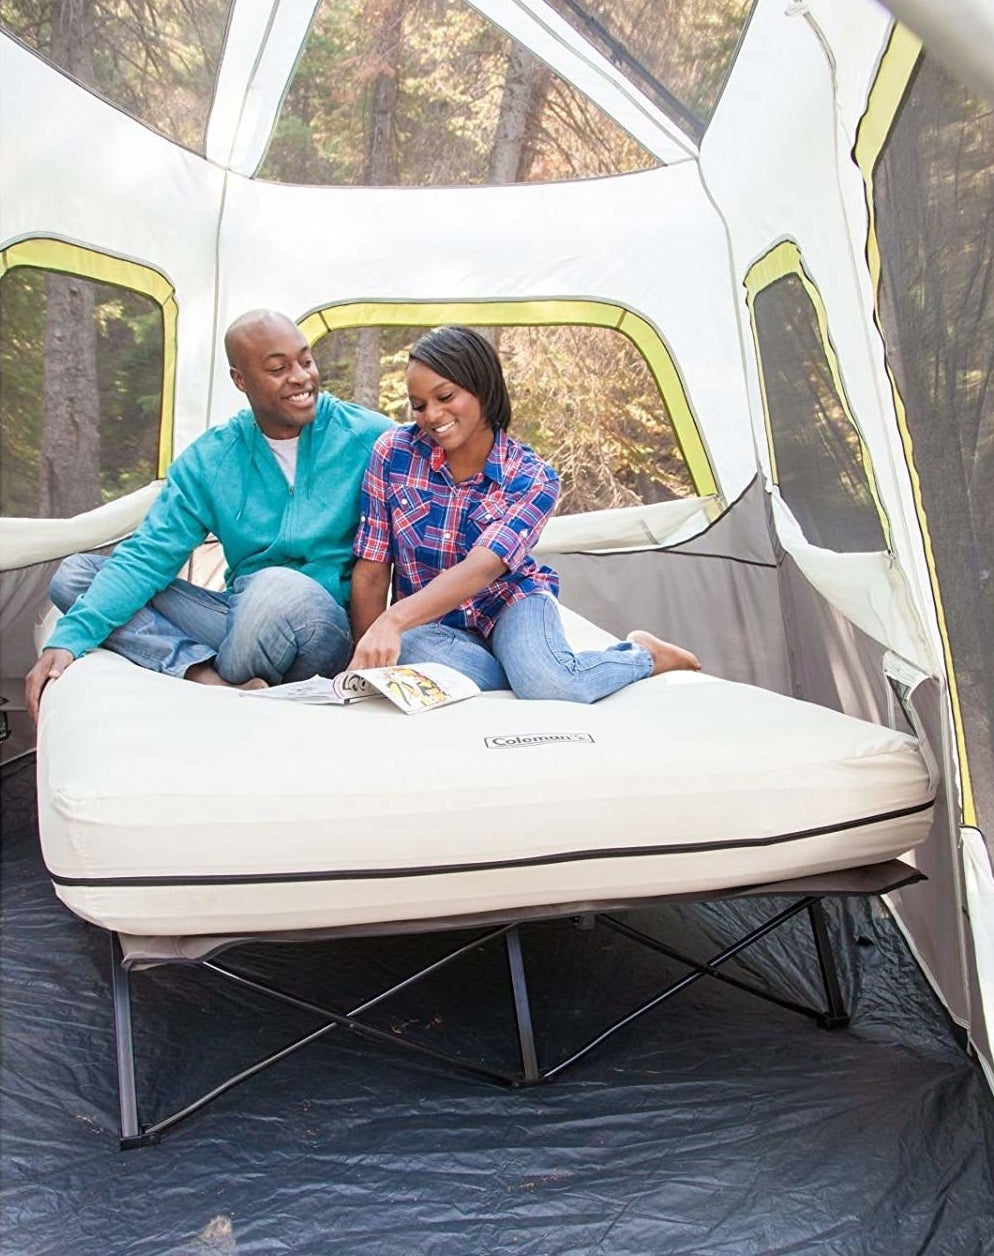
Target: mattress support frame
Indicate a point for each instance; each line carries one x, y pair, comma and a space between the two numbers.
875, 879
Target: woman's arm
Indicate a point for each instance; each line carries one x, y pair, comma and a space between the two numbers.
370, 587
379, 645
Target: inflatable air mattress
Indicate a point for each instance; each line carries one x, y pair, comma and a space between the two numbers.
169, 808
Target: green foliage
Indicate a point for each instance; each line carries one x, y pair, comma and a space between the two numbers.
157, 59
449, 70
582, 397
683, 47
22, 316
129, 378
585, 399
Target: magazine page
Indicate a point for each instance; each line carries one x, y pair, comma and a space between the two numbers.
417, 688
319, 690
411, 689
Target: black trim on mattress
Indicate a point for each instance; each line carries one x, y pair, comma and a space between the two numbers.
374, 874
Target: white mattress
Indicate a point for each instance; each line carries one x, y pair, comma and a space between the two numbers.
170, 808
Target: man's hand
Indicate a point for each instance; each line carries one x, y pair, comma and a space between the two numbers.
379, 646
50, 666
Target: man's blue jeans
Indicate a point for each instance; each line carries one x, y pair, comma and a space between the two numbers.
528, 652
277, 624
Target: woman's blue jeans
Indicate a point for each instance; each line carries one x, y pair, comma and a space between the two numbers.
277, 623
528, 652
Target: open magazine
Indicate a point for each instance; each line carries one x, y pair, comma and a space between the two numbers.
412, 689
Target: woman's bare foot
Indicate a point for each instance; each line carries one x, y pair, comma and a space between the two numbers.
207, 674
665, 656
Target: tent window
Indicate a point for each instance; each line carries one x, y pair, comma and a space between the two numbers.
817, 452
80, 392
582, 397
933, 191
678, 52
424, 93
155, 59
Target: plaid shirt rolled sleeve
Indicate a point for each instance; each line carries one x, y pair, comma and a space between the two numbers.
529, 502
372, 538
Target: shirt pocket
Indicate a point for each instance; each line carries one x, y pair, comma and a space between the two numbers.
410, 511
483, 515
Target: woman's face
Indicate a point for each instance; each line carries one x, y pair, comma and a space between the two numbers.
450, 415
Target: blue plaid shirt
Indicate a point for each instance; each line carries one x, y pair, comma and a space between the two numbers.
415, 516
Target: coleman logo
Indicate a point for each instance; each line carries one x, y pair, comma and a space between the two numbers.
532, 739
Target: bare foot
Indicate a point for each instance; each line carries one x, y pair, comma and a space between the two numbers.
206, 674
665, 656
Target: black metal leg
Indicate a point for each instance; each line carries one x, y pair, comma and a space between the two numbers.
131, 1132
137, 1135
134, 1134
836, 1017
522, 1008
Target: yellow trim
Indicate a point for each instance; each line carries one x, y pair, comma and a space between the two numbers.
889, 89
74, 259
638, 330
782, 260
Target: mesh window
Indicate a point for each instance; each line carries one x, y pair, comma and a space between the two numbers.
934, 197
80, 392
818, 455
428, 93
678, 52
582, 397
155, 59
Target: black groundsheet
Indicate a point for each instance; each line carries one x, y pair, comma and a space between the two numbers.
717, 1124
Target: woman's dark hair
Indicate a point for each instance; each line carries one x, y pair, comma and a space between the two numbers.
463, 356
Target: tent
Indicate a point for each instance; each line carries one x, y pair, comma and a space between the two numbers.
803, 262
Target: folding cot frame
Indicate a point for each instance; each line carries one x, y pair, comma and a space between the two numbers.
807, 893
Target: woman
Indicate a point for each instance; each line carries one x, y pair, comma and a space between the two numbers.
451, 506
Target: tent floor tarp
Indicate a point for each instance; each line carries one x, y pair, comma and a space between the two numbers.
720, 1123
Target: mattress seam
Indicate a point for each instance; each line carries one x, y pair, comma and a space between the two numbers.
370, 874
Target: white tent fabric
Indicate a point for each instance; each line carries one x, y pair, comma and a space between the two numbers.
672, 245
29, 541
795, 185
961, 34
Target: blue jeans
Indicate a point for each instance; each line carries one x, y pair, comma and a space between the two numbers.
528, 652
276, 623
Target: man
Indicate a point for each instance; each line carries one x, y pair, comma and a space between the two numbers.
278, 485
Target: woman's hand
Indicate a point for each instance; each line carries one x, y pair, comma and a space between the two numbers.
379, 646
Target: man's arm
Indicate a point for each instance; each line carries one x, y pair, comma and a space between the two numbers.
143, 565
139, 568
379, 645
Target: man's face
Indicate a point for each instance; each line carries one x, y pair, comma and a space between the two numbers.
274, 368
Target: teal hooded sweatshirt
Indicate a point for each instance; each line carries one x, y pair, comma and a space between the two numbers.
229, 483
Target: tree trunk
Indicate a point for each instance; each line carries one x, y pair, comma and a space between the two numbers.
69, 463
367, 368
525, 85
524, 91
389, 22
